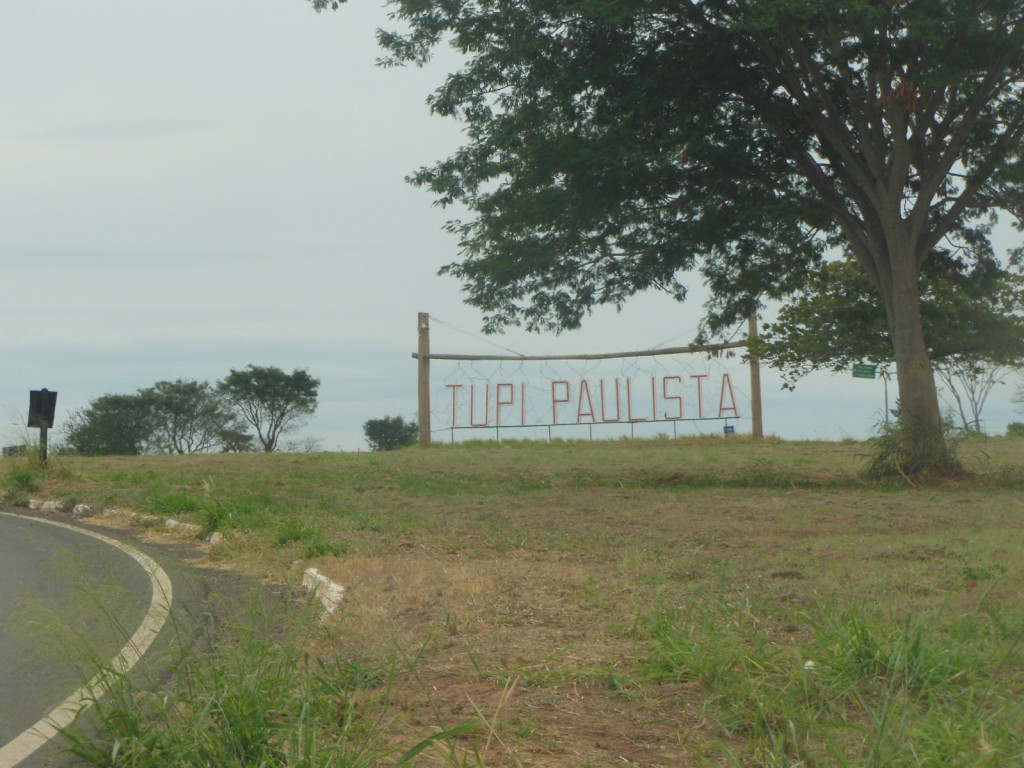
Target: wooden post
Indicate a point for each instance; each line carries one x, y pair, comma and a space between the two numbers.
757, 423
423, 379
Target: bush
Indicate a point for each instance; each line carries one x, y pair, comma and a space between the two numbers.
390, 433
314, 543
1015, 429
902, 451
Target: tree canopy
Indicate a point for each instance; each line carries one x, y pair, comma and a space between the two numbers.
110, 425
169, 417
189, 417
271, 400
974, 328
973, 318
185, 416
613, 147
390, 433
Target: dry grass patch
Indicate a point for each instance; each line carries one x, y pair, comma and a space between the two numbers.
514, 643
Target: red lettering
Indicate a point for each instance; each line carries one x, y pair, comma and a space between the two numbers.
727, 387
668, 397
472, 405
510, 400
618, 404
700, 393
629, 402
597, 401
455, 389
585, 394
556, 400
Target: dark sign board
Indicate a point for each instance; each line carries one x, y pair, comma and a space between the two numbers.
41, 406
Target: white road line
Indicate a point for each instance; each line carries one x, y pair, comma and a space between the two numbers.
22, 746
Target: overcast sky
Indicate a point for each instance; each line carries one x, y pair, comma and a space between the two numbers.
193, 186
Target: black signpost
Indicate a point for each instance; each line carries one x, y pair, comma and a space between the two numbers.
42, 403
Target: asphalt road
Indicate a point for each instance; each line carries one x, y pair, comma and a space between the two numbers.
69, 598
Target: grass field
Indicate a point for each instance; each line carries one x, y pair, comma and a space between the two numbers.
700, 601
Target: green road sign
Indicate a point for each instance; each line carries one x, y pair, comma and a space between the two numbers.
864, 371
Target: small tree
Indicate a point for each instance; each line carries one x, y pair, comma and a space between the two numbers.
235, 441
969, 384
271, 400
390, 433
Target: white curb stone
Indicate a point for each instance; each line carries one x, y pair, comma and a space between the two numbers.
45, 506
327, 591
175, 525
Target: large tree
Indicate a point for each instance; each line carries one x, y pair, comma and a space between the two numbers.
190, 417
271, 400
613, 146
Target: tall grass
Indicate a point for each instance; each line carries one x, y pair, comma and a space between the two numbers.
865, 689
243, 696
252, 694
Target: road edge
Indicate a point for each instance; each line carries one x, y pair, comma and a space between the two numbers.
41, 733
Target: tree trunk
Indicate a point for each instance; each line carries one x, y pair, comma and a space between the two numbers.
923, 443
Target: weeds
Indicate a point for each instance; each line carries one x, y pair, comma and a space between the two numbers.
23, 479
237, 698
866, 690
24, 476
172, 504
908, 452
311, 537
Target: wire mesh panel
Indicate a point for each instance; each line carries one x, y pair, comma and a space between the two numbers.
568, 398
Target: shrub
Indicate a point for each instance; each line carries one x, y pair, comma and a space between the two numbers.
390, 433
1015, 429
23, 479
902, 451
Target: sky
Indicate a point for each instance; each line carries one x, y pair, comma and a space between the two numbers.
187, 188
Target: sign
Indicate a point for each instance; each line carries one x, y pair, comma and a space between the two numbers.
864, 371
42, 404
629, 400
